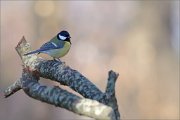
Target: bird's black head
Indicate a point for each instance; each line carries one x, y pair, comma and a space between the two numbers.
64, 36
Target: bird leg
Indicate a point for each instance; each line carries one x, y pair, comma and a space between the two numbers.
57, 59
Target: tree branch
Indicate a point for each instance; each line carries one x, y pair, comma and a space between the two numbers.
110, 92
59, 72
62, 98
16, 86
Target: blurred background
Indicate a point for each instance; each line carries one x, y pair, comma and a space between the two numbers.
137, 39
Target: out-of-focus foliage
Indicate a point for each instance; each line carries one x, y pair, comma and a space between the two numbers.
138, 39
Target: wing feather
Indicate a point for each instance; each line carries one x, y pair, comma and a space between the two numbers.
52, 45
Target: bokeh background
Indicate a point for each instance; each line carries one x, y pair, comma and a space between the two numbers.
137, 39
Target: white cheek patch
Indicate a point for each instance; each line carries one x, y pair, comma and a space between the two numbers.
62, 37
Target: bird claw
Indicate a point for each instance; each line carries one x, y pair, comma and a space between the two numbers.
57, 59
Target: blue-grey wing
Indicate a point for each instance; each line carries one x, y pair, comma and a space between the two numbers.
48, 46
52, 45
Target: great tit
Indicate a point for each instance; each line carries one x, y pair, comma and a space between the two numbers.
57, 47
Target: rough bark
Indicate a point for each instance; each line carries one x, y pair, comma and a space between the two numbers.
95, 103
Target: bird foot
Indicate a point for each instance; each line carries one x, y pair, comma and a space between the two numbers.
57, 59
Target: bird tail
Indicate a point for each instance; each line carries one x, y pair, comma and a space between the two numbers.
36, 51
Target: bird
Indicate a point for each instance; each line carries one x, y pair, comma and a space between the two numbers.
57, 47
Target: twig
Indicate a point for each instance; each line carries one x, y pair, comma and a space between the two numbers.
16, 86
110, 92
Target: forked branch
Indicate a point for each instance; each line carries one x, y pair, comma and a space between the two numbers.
95, 103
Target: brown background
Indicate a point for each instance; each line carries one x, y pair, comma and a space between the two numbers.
140, 40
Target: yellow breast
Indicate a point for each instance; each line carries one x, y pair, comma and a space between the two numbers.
58, 53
